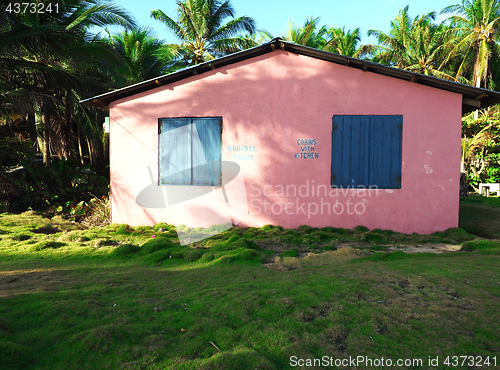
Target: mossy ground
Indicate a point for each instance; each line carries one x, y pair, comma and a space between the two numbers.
133, 297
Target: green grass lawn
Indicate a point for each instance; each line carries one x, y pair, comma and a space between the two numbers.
119, 298
481, 216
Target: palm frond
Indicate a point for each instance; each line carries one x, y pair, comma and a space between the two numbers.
233, 27
170, 23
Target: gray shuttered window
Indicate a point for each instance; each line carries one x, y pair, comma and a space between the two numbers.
190, 151
367, 151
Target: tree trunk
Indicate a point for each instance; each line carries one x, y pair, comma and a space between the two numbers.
464, 185
80, 151
91, 152
46, 134
106, 149
66, 130
478, 84
38, 127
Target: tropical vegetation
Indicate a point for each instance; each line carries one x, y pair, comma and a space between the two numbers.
204, 35
50, 61
145, 56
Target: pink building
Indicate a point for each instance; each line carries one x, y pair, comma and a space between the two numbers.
288, 135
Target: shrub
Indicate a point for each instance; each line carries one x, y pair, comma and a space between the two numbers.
98, 212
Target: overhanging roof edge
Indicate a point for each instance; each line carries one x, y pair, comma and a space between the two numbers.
485, 97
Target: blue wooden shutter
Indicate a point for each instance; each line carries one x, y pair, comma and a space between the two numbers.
209, 133
174, 149
367, 151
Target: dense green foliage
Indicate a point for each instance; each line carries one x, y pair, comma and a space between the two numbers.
50, 61
201, 28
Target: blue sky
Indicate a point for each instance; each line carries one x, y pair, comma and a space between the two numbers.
273, 15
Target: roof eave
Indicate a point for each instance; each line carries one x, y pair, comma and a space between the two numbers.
472, 97
106, 98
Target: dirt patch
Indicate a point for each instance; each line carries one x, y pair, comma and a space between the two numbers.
436, 248
315, 259
46, 229
348, 251
427, 248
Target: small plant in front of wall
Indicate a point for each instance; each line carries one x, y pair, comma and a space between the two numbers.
70, 210
95, 212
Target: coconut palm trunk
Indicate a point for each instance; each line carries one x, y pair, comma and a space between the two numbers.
45, 118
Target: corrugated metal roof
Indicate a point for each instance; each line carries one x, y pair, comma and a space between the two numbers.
472, 97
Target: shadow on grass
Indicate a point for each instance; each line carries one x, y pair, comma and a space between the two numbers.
480, 220
89, 315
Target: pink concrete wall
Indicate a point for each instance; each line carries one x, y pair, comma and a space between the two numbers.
268, 103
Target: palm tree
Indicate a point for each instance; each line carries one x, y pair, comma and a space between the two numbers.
346, 43
146, 57
479, 139
477, 24
306, 35
45, 59
200, 26
416, 45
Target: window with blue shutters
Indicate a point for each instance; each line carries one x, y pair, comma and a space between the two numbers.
367, 151
190, 151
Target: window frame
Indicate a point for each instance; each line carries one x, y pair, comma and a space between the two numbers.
215, 181
361, 151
